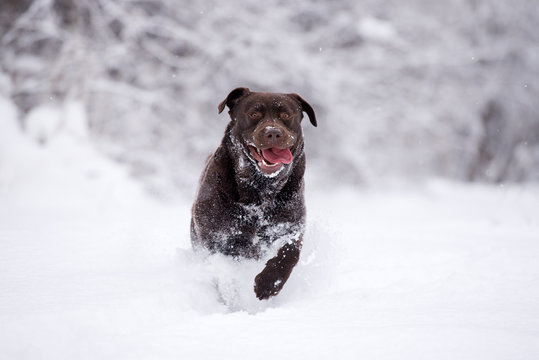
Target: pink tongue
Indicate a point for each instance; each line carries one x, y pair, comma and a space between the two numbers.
276, 155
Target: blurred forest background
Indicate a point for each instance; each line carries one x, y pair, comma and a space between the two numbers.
402, 89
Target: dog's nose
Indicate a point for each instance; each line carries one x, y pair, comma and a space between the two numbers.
272, 132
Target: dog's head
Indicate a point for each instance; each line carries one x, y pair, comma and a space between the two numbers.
268, 126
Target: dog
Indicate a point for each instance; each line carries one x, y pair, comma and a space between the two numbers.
250, 193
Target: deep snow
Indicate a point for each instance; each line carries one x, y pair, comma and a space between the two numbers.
93, 267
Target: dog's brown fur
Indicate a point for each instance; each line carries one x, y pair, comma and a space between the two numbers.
243, 206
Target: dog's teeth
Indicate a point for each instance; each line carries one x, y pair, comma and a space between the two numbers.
269, 165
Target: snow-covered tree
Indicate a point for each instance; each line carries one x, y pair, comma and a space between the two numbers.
411, 88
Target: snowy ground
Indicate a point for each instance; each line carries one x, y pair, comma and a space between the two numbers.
92, 267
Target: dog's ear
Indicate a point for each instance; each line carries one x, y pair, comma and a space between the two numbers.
305, 106
232, 98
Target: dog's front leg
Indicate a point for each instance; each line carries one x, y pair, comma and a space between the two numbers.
278, 269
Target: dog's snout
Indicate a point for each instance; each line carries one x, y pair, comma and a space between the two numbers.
273, 133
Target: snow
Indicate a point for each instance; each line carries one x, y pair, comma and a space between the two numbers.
377, 29
421, 85
43, 122
93, 267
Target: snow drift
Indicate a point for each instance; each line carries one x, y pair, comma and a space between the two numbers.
92, 266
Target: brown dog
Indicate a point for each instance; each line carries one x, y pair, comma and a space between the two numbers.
251, 191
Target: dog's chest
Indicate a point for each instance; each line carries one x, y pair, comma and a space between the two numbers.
266, 224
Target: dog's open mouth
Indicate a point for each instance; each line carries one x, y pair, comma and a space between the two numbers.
271, 159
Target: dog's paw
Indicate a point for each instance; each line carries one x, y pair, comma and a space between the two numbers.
268, 283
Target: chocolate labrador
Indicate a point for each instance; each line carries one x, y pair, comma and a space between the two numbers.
250, 195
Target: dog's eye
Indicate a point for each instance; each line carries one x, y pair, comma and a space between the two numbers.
255, 115
284, 116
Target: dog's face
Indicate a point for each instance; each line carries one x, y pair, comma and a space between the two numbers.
268, 125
